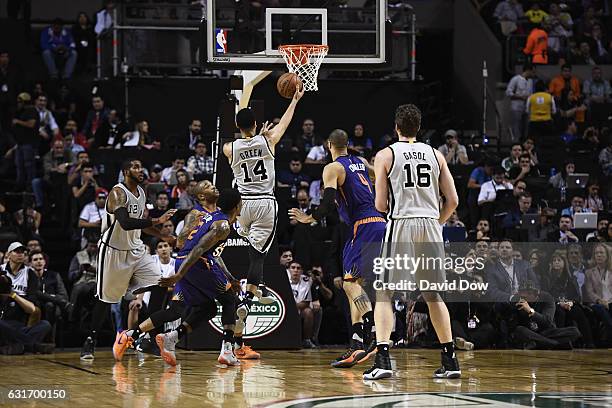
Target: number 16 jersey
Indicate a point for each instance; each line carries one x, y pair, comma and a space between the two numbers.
253, 166
414, 181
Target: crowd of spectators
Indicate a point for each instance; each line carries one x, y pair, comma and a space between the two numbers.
554, 32
522, 194
556, 171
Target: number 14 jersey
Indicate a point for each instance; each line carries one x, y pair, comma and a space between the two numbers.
414, 181
253, 166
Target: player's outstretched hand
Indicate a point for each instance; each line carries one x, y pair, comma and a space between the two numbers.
299, 92
165, 217
295, 214
265, 129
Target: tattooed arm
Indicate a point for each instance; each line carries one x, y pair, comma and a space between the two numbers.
228, 275
218, 231
190, 221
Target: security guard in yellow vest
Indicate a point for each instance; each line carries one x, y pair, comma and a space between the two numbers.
540, 107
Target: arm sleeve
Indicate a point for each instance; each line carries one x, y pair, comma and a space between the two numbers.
99, 22
74, 269
327, 203
312, 154
527, 104
554, 106
128, 223
52, 122
44, 40
62, 294
33, 288
529, 46
510, 89
482, 195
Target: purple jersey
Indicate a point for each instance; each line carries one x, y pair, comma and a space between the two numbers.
202, 227
355, 198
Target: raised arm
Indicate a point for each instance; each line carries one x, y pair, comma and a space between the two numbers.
382, 165
218, 231
447, 188
274, 135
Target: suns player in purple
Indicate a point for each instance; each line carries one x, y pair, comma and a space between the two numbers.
202, 277
347, 182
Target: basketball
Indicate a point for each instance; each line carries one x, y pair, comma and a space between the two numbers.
287, 84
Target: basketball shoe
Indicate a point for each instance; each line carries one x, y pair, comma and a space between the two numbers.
369, 352
381, 368
264, 295
246, 352
463, 344
167, 346
350, 357
242, 311
88, 350
122, 342
450, 367
227, 356
143, 344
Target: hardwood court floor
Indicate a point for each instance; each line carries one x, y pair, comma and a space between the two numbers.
282, 376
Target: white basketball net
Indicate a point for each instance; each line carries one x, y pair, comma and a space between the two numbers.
305, 60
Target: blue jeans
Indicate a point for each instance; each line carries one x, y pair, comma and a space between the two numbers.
16, 332
38, 188
25, 164
604, 315
50, 57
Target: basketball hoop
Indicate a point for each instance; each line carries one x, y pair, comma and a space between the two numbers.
305, 60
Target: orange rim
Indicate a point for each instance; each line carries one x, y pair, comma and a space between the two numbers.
309, 47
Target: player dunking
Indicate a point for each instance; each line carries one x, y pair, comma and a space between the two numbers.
124, 262
409, 179
347, 182
252, 161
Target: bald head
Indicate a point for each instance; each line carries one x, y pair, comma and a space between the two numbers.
206, 192
338, 139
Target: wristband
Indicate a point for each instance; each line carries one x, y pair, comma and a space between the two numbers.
13, 295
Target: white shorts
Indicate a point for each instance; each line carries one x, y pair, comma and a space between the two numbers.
418, 239
121, 272
258, 222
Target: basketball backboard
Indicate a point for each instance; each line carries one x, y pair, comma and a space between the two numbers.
246, 34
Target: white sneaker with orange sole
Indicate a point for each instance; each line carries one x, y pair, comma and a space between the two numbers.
227, 355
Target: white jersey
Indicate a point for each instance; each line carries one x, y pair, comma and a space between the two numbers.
116, 237
253, 166
414, 181
301, 289
19, 280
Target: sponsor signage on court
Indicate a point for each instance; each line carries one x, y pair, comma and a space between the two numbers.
262, 320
